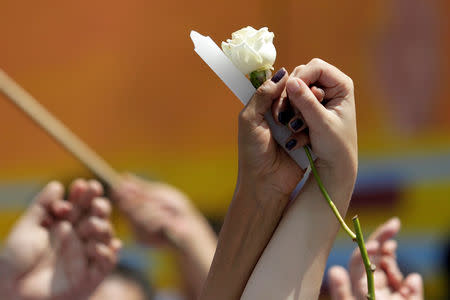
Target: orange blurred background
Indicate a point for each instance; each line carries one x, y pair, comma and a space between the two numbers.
124, 77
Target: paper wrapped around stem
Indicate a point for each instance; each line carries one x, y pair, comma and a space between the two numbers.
242, 88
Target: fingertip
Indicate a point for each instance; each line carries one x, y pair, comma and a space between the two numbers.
279, 75
336, 273
297, 140
290, 144
53, 191
116, 244
101, 207
296, 124
414, 282
78, 183
282, 111
318, 92
95, 187
303, 99
395, 223
339, 283
78, 187
55, 187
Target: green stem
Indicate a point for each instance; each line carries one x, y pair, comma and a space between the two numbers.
327, 197
358, 237
365, 257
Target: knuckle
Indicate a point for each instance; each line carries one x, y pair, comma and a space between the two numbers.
349, 82
244, 116
298, 69
263, 90
316, 61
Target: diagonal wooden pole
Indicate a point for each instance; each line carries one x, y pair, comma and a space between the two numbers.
63, 135
54, 127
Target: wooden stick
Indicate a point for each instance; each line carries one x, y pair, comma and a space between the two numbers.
55, 128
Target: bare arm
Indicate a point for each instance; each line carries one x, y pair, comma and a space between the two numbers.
161, 215
293, 263
266, 178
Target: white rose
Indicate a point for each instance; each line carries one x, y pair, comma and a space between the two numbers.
251, 50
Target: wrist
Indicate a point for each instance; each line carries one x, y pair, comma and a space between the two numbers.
339, 181
340, 170
257, 190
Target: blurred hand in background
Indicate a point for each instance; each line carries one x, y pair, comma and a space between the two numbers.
161, 215
390, 283
60, 249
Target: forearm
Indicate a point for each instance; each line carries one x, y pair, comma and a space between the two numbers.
248, 226
196, 256
293, 262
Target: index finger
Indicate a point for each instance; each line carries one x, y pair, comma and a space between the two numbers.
386, 231
327, 75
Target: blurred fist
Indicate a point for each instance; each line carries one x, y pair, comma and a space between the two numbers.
159, 214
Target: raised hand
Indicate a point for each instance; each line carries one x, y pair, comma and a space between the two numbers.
390, 283
161, 215
60, 249
263, 166
331, 127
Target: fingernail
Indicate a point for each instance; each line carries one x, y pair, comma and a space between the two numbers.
278, 75
285, 116
291, 144
296, 124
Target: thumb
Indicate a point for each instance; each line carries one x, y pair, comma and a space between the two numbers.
262, 100
305, 101
339, 284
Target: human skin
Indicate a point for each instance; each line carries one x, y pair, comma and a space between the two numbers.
161, 215
296, 254
60, 249
267, 177
118, 288
390, 283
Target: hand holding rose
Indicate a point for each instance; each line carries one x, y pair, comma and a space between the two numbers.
267, 176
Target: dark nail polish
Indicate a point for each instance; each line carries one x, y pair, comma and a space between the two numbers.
278, 75
296, 124
291, 144
285, 116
